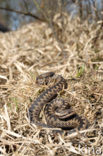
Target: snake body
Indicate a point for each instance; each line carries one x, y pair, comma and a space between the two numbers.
58, 113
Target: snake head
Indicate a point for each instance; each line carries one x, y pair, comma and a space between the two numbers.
45, 78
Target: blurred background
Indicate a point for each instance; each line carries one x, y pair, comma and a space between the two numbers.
91, 10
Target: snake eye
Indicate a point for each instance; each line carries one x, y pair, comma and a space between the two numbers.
40, 81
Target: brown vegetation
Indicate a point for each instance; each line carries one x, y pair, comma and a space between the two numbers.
33, 50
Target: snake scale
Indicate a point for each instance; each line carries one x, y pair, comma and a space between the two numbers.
58, 112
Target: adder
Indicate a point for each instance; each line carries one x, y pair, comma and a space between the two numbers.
57, 111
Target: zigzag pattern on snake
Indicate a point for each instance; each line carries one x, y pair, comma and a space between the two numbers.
58, 112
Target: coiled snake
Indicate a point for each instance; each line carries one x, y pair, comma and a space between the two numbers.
58, 113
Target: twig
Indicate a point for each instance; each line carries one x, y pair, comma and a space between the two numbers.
20, 12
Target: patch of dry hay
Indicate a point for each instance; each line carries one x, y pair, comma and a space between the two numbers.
33, 50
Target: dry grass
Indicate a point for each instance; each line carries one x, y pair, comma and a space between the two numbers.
33, 50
